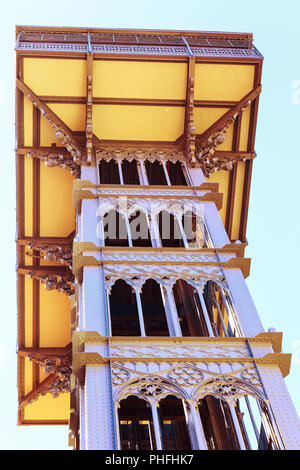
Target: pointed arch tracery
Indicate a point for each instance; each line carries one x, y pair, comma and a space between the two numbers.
128, 206
151, 388
230, 388
187, 382
137, 281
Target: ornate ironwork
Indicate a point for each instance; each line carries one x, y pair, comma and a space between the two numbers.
64, 283
61, 367
58, 253
62, 132
151, 154
207, 143
60, 160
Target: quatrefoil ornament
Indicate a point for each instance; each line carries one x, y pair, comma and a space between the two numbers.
119, 376
226, 386
250, 376
150, 390
183, 375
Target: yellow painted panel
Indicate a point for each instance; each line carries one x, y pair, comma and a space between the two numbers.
238, 199
221, 177
28, 311
245, 129
47, 134
43, 375
205, 117
215, 314
28, 182
223, 81
55, 77
57, 212
49, 408
28, 258
131, 79
28, 122
72, 114
138, 122
27, 376
226, 320
54, 318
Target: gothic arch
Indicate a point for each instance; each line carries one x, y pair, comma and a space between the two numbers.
165, 280
177, 209
124, 316
151, 388
220, 282
116, 224
228, 388
135, 207
105, 207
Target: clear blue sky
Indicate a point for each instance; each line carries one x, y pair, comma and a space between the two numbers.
273, 227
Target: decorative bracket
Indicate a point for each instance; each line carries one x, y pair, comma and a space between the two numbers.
58, 253
214, 136
59, 369
62, 132
56, 159
64, 283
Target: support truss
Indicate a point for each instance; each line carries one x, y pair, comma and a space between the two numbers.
62, 132
59, 368
214, 136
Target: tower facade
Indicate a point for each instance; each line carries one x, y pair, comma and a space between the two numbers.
146, 336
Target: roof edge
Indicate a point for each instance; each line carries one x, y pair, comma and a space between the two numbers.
215, 34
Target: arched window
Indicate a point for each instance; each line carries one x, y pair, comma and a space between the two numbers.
189, 310
155, 173
254, 419
176, 174
217, 424
246, 425
216, 309
169, 230
115, 229
193, 230
174, 429
130, 172
136, 426
123, 310
109, 172
153, 309
139, 229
